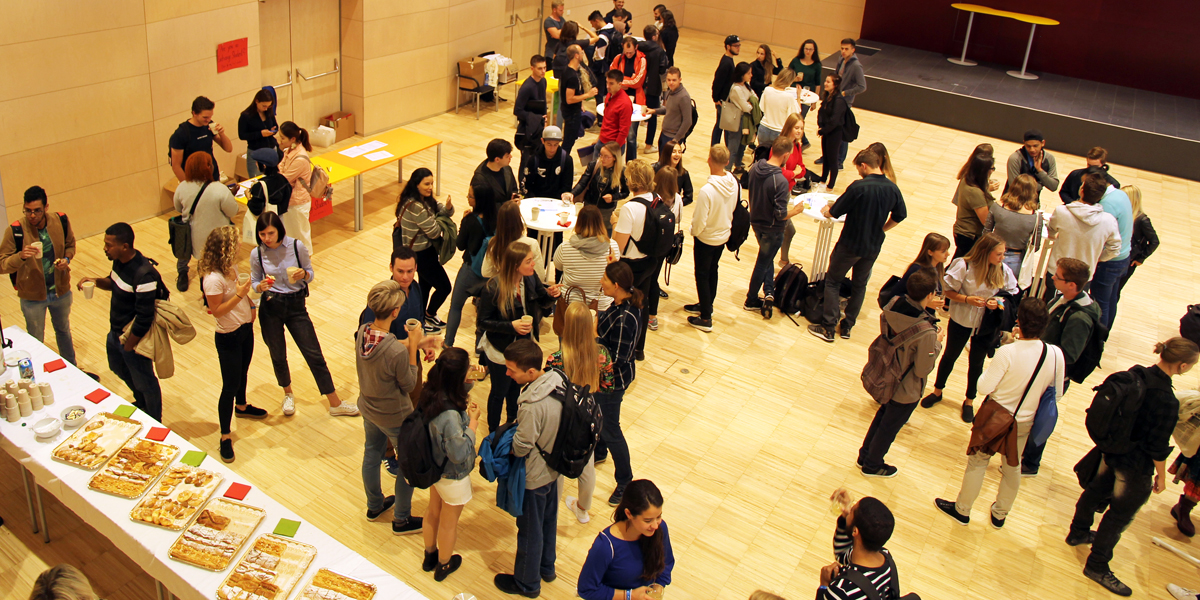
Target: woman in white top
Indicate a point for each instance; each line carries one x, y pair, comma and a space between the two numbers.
510, 227
734, 106
971, 285
297, 166
778, 101
1008, 377
214, 208
229, 302
583, 258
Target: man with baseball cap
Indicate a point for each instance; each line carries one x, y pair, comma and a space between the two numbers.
722, 81
548, 170
1032, 159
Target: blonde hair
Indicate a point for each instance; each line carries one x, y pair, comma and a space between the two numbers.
885, 160
1135, 199
640, 175
580, 352
1022, 193
508, 279
784, 79
762, 595
718, 154
789, 124
220, 251
590, 223
618, 155
986, 273
62, 582
1177, 350
385, 297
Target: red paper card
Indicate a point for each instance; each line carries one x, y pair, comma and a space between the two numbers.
96, 396
54, 365
231, 55
158, 434
237, 491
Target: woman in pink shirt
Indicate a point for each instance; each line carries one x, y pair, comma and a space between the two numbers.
297, 167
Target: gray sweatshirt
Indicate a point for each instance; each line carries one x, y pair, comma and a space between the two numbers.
384, 380
538, 416
678, 111
854, 82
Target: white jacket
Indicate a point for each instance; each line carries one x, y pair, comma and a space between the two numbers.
1085, 232
712, 215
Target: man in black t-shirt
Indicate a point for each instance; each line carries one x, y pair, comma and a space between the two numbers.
197, 135
573, 97
872, 205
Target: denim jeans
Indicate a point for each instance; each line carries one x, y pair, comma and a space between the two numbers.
763, 275
503, 395
137, 372
733, 141
1126, 490
840, 263
631, 142
1014, 260
376, 443
612, 439
60, 318
235, 349
716, 133
537, 530
251, 166
291, 311
570, 129
466, 285
706, 259
766, 136
1106, 285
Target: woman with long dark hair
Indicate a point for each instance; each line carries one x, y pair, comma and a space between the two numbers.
666, 190
452, 422
296, 166
477, 225
974, 201
737, 104
257, 126
935, 249
831, 118
669, 36
634, 553
671, 155
765, 66
416, 228
617, 329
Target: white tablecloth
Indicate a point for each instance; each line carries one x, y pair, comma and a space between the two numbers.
144, 544
549, 209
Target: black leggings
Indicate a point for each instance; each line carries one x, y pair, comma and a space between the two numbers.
831, 144
956, 340
434, 280
234, 351
963, 245
503, 395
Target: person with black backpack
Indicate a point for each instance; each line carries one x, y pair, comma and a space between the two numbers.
1133, 441
538, 418
643, 232
712, 222
475, 230
863, 567
1073, 319
452, 422
769, 214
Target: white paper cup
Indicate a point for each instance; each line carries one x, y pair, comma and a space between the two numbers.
89, 288
412, 324
37, 246
527, 319
535, 211
242, 279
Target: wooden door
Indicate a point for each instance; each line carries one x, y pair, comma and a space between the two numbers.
301, 39
523, 34
274, 30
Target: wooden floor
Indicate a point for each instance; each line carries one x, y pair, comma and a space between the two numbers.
746, 429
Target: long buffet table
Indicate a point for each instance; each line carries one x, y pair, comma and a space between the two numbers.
144, 544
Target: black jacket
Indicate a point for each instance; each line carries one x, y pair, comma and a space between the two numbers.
250, 128
471, 232
497, 325
758, 75
722, 79
670, 38
1069, 192
1152, 426
543, 177
656, 67
481, 179
685, 185
1145, 239
769, 193
279, 193
831, 117
588, 188
530, 110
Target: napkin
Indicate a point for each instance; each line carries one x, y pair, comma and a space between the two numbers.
97, 396
125, 410
193, 458
237, 491
158, 434
54, 365
287, 527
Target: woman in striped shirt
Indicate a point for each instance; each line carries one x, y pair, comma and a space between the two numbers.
416, 228
583, 258
617, 330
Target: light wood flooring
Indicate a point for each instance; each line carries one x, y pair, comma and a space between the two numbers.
746, 429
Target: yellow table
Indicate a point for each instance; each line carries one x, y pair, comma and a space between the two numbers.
336, 173
1033, 21
400, 143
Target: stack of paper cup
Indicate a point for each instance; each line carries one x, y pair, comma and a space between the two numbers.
12, 414
23, 403
35, 397
23, 384
10, 387
47, 393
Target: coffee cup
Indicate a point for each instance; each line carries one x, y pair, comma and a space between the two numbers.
292, 272
37, 246
535, 211
527, 319
412, 324
242, 279
89, 288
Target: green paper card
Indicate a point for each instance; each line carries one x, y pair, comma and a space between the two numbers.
287, 527
193, 458
125, 410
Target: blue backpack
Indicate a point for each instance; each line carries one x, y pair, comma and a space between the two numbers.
477, 258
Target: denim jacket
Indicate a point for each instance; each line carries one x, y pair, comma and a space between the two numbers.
453, 442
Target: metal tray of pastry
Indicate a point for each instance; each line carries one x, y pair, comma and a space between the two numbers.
248, 519
115, 431
162, 454
263, 572
324, 579
167, 506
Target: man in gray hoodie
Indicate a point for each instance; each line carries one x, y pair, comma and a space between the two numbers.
917, 356
387, 374
1082, 230
538, 416
769, 193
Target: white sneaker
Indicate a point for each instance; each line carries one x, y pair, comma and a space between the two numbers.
289, 404
344, 409
1182, 593
580, 515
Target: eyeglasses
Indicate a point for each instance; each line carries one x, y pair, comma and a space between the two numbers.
36, 211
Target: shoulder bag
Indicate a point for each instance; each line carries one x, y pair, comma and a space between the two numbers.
179, 232
560, 307
995, 429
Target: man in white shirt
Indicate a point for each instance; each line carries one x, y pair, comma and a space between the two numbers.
628, 230
712, 218
1013, 374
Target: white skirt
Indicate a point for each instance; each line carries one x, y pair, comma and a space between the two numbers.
455, 492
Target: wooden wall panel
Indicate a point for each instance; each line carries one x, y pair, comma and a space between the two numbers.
191, 38
50, 65
162, 10
405, 69
35, 121
26, 21
129, 198
174, 89
400, 34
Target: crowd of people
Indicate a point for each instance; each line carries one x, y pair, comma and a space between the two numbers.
600, 285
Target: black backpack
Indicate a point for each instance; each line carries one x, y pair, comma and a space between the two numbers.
850, 128
1111, 416
578, 429
1089, 358
658, 229
739, 228
415, 453
19, 239
889, 291
695, 119
791, 287
1189, 324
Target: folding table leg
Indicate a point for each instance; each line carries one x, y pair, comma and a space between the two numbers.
438, 191
158, 588
400, 171
358, 203
37, 494
33, 523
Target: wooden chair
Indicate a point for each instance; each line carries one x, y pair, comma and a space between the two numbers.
470, 80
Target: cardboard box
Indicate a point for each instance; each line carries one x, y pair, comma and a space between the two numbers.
239, 169
340, 122
474, 67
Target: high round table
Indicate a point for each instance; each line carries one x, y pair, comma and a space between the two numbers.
816, 202
547, 224
638, 115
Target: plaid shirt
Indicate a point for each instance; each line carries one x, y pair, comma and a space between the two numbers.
617, 328
1154, 425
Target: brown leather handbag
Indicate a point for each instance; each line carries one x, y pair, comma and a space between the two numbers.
560, 307
995, 429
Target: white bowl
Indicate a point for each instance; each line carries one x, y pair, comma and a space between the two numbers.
76, 422
47, 428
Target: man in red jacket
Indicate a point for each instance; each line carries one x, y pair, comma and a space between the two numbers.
618, 114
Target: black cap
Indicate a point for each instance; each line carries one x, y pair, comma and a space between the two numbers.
732, 39
1034, 134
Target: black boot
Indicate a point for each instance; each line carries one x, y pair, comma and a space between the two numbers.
1181, 513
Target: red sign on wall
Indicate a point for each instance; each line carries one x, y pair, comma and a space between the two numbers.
232, 55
